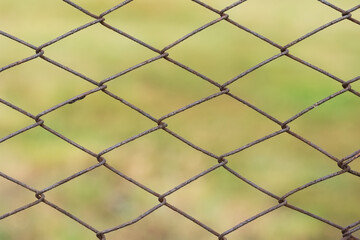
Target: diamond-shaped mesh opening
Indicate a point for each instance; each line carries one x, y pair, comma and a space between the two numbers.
229, 203
49, 85
147, 161
102, 205
227, 49
298, 227
283, 156
36, 158
149, 22
57, 19
114, 52
92, 121
58, 225
331, 199
337, 49
161, 87
285, 23
338, 115
224, 116
284, 87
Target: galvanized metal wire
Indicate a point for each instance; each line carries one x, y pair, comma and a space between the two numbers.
221, 161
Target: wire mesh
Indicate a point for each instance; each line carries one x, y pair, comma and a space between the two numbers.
160, 124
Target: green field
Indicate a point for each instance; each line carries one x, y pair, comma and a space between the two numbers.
282, 88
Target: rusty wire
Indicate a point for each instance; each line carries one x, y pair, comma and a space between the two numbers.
160, 123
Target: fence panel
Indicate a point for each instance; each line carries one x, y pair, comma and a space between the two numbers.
247, 108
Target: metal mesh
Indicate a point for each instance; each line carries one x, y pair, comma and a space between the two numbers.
221, 161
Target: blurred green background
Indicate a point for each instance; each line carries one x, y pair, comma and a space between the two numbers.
282, 88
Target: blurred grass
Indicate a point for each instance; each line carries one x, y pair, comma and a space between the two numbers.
282, 88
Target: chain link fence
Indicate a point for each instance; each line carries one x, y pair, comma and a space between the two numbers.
160, 124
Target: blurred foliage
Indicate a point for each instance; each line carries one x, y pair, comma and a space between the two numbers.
282, 88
